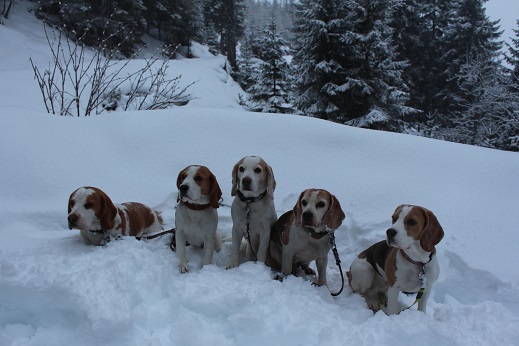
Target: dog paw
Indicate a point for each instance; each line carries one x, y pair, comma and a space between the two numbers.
231, 265
309, 271
279, 277
183, 269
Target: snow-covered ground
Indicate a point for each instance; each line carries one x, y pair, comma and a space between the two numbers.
54, 290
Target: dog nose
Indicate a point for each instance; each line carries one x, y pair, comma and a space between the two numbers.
308, 217
246, 181
72, 219
391, 233
183, 189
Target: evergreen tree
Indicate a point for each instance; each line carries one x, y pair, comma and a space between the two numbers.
513, 59
347, 68
438, 38
472, 38
479, 94
490, 115
247, 61
176, 23
287, 11
318, 57
420, 34
408, 28
212, 39
115, 24
374, 88
196, 21
226, 17
270, 82
262, 11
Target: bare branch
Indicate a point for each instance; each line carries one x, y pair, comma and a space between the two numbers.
80, 84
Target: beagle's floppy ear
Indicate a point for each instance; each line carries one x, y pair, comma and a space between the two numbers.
271, 182
235, 181
215, 193
108, 211
432, 233
334, 216
298, 210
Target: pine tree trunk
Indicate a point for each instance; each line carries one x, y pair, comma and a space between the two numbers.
229, 35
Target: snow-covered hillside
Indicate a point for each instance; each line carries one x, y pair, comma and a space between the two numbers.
54, 290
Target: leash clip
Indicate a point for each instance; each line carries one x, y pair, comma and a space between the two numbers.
423, 277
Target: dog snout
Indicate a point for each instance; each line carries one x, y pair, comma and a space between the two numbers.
308, 218
72, 219
183, 189
391, 233
246, 183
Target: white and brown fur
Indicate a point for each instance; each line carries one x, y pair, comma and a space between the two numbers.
302, 235
92, 212
196, 216
381, 272
252, 178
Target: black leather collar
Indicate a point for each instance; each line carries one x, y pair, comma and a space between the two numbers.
314, 234
251, 199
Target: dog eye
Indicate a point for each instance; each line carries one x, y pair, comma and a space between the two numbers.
411, 223
88, 205
304, 202
183, 176
393, 219
319, 205
72, 203
242, 169
257, 170
198, 178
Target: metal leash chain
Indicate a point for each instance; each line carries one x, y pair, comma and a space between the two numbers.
337, 261
423, 283
222, 204
246, 210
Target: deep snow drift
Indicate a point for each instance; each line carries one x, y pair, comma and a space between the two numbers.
57, 291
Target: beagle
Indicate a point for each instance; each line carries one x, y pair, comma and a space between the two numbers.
196, 218
302, 235
252, 211
92, 212
404, 262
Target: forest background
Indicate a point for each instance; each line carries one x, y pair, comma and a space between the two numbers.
433, 68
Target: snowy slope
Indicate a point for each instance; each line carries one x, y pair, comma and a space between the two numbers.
57, 291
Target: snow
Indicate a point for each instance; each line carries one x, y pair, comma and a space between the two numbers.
57, 291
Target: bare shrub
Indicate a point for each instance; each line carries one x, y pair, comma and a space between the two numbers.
82, 82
